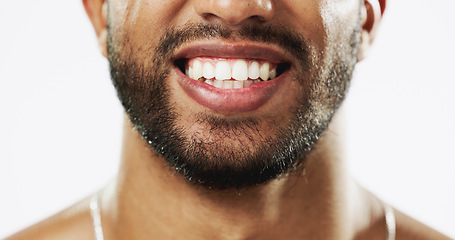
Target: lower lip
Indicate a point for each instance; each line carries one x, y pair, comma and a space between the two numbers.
229, 100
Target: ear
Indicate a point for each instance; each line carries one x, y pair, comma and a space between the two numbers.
97, 12
371, 14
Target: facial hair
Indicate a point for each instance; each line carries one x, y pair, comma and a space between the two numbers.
229, 152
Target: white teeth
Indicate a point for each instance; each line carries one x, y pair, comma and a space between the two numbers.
209, 82
272, 73
228, 84
220, 74
218, 83
189, 72
240, 70
238, 84
208, 71
197, 70
247, 83
264, 71
222, 70
253, 71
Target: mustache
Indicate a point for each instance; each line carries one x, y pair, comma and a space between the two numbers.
281, 36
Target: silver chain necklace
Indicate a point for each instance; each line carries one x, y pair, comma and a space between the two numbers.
95, 212
389, 222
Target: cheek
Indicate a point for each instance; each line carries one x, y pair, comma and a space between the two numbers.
339, 16
320, 21
143, 22
303, 17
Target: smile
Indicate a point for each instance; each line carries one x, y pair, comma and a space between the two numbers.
231, 73
230, 78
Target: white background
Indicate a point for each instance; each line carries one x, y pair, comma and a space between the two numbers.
60, 121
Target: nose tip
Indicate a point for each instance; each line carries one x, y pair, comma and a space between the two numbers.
235, 12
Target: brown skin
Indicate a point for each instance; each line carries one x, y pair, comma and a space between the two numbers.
148, 200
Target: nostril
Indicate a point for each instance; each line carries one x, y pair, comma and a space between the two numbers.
258, 18
234, 12
208, 16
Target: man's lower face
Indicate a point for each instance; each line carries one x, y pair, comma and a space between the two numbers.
238, 127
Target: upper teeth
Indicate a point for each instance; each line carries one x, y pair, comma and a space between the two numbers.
230, 69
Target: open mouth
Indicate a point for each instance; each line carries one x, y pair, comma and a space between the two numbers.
233, 77
230, 73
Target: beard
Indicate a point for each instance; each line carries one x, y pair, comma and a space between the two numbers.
230, 152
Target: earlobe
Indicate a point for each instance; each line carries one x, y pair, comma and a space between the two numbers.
371, 14
97, 12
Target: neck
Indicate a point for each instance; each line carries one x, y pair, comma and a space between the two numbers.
149, 200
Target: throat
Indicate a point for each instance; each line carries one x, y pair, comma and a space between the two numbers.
152, 201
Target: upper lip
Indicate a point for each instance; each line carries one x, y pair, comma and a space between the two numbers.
224, 49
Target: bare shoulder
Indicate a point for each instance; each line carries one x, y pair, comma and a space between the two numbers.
71, 223
409, 228
406, 227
